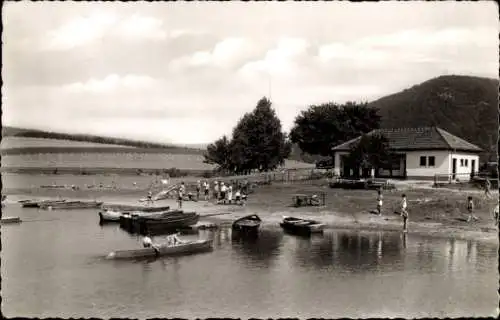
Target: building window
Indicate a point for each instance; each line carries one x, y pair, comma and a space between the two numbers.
466, 162
432, 161
461, 162
423, 161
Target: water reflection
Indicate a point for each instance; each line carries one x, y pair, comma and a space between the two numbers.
262, 249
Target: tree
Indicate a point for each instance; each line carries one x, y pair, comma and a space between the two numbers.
219, 153
258, 142
371, 151
321, 127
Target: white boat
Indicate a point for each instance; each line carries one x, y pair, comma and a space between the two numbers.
185, 247
110, 215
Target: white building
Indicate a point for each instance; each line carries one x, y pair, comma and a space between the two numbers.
423, 154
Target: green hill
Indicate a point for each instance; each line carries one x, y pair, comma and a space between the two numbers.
462, 105
55, 142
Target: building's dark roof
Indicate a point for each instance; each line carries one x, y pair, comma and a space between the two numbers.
407, 139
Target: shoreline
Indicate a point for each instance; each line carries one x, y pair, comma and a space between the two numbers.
347, 210
337, 222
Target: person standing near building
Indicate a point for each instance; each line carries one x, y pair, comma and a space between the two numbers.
404, 212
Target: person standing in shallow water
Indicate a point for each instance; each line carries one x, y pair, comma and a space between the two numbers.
380, 198
404, 212
487, 187
470, 209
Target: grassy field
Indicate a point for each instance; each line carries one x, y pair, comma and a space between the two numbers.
28, 142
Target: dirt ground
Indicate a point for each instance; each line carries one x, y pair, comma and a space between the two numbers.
437, 212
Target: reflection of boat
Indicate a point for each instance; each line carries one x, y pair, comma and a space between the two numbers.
186, 247
247, 224
72, 205
301, 226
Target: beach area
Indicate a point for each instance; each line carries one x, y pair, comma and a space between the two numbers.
435, 212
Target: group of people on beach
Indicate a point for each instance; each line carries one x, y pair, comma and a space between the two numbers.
221, 192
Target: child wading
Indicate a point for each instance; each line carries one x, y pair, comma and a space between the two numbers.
470, 209
380, 197
404, 213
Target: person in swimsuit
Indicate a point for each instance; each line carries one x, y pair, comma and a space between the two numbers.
380, 198
404, 212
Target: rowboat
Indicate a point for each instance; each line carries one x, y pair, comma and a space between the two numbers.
186, 247
301, 226
10, 220
114, 215
247, 224
129, 208
168, 220
39, 203
71, 205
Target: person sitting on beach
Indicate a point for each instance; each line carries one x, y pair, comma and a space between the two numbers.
237, 196
404, 212
380, 198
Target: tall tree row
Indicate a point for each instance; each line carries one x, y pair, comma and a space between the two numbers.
257, 143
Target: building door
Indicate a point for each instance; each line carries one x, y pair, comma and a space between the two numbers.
454, 169
473, 168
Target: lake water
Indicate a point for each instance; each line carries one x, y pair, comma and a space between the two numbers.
53, 265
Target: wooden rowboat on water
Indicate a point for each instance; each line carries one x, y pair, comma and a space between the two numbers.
129, 208
301, 226
186, 247
115, 215
71, 205
247, 224
10, 220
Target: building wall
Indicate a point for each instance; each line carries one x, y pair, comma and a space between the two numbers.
338, 165
415, 170
464, 164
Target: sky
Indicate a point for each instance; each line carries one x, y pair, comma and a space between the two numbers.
186, 72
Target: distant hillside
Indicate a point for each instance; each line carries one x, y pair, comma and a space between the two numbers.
101, 144
465, 106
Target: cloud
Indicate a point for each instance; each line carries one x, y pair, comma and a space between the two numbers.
79, 31
279, 61
95, 26
112, 82
225, 53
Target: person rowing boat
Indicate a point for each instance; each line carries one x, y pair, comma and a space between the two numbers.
148, 243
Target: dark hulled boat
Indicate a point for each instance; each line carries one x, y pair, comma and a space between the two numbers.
301, 226
249, 224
